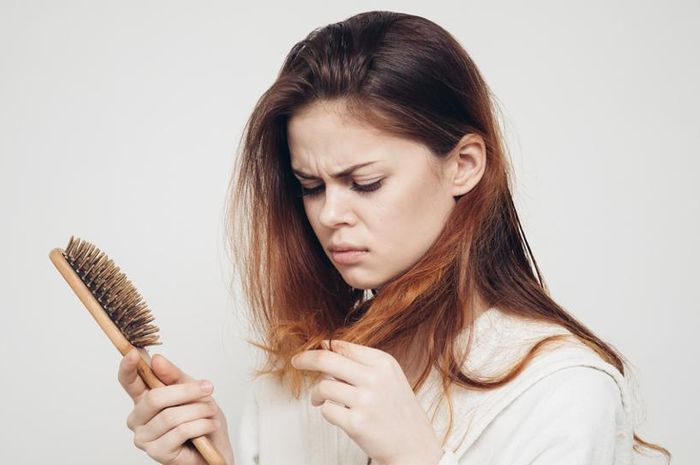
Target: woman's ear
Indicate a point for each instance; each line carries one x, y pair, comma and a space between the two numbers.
466, 164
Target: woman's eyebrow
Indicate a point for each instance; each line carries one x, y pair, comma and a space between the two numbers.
341, 174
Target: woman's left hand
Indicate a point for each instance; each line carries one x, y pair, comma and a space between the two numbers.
376, 406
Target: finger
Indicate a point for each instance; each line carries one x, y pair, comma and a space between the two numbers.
333, 364
357, 352
176, 437
172, 417
339, 416
129, 377
167, 371
160, 398
333, 391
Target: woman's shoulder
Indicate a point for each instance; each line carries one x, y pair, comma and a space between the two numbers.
572, 415
567, 381
501, 339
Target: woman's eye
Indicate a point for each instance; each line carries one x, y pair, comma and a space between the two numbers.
309, 191
362, 188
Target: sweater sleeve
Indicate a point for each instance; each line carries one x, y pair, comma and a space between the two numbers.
246, 444
570, 416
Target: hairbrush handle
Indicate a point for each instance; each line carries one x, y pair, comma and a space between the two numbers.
203, 444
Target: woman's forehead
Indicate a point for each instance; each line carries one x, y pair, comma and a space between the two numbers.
337, 143
343, 154
321, 137
320, 126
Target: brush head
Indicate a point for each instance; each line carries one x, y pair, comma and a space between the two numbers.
115, 293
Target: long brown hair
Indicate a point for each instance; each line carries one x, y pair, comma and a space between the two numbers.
409, 77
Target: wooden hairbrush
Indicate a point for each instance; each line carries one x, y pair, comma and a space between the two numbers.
119, 309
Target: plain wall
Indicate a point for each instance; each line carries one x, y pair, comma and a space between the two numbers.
120, 121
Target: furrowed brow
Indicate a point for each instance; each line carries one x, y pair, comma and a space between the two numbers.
344, 173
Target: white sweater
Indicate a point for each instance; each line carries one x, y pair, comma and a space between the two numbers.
567, 407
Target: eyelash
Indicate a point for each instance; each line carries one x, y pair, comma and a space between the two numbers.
361, 188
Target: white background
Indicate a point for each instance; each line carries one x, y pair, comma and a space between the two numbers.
119, 123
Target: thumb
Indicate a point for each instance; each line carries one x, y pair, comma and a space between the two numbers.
167, 372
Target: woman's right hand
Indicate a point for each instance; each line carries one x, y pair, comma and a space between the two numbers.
164, 418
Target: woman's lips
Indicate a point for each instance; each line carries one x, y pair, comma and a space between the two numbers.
348, 257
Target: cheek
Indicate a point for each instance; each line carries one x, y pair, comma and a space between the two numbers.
395, 216
311, 215
409, 221
417, 204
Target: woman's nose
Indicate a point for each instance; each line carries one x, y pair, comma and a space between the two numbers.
336, 208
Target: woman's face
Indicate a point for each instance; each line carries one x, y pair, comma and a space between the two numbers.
392, 207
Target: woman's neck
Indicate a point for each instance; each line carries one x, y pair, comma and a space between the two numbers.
414, 359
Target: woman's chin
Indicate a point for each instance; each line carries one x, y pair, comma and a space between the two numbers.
362, 283
357, 283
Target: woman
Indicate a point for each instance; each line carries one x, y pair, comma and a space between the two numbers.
403, 315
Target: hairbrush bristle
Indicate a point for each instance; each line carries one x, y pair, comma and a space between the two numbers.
115, 293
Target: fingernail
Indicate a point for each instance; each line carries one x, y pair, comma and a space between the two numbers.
206, 386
